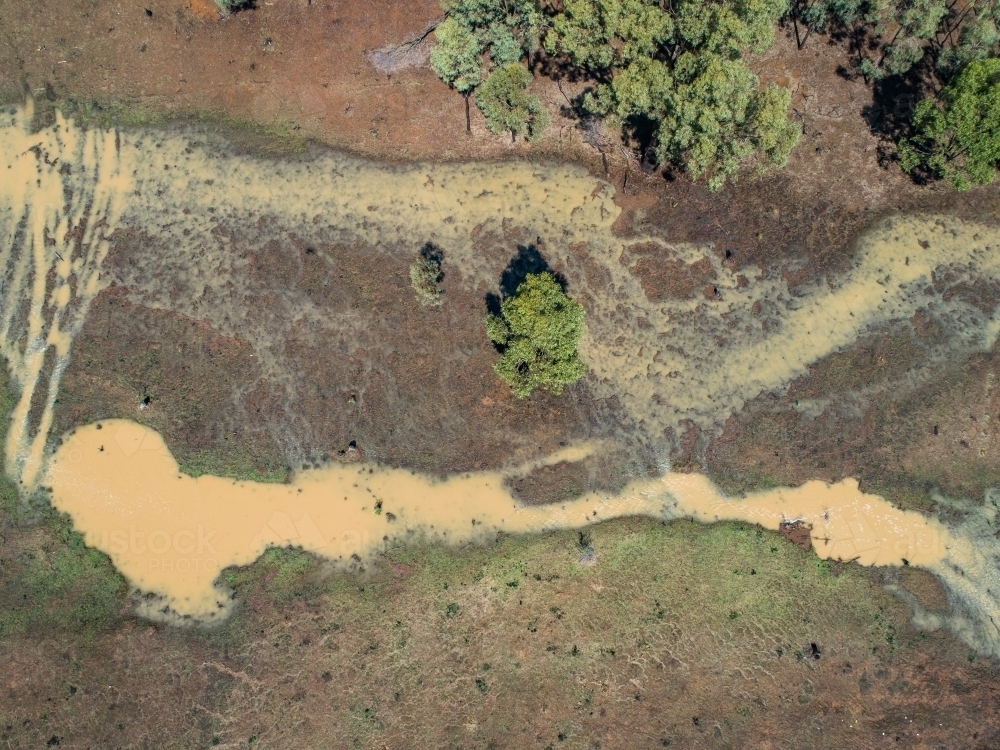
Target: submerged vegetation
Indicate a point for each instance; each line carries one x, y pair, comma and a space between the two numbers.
538, 331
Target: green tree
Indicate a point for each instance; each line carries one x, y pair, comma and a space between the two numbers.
507, 105
539, 331
973, 35
680, 65
957, 135
507, 29
893, 35
456, 58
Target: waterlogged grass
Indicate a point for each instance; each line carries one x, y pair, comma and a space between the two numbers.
280, 573
240, 463
648, 578
618, 616
49, 579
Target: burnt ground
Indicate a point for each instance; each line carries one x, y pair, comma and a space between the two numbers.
310, 658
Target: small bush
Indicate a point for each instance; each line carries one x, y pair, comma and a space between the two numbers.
233, 6
425, 273
538, 331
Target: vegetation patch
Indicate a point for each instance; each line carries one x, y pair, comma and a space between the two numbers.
507, 106
538, 332
680, 68
425, 275
956, 136
50, 581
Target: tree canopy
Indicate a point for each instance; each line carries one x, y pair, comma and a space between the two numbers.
678, 65
538, 331
505, 29
681, 67
456, 56
507, 106
957, 135
894, 35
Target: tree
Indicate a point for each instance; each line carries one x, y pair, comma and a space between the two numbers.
456, 56
894, 35
957, 135
507, 106
505, 29
680, 66
972, 35
538, 331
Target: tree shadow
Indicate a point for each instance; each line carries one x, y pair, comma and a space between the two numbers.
562, 68
639, 135
432, 252
526, 262
890, 115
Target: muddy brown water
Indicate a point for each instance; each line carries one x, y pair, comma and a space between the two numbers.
665, 360
171, 534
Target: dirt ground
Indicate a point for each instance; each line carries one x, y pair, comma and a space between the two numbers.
314, 660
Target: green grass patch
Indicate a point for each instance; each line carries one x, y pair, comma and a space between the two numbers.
650, 582
241, 464
49, 579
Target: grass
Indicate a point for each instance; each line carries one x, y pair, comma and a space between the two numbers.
525, 622
49, 579
272, 139
724, 576
239, 463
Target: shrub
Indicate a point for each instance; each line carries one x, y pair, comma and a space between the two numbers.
232, 6
425, 273
957, 135
507, 106
538, 331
